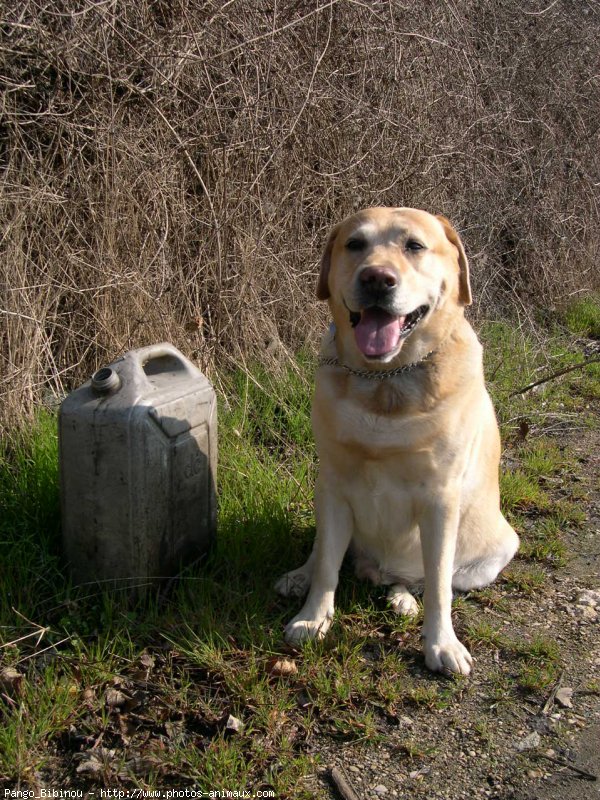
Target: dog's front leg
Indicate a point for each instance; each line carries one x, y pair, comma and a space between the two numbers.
439, 530
334, 531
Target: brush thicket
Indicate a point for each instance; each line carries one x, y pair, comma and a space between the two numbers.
169, 170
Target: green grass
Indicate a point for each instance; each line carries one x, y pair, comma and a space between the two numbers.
544, 544
514, 358
521, 492
30, 517
483, 632
528, 581
187, 660
541, 663
582, 316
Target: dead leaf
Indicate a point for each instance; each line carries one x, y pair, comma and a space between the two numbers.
141, 765
303, 699
95, 760
90, 767
115, 698
127, 728
175, 730
564, 697
524, 428
11, 681
281, 667
89, 696
147, 660
194, 324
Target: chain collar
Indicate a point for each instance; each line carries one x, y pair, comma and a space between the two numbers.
377, 375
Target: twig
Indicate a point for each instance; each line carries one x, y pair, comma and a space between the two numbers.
342, 784
41, 630
552, 696
589, 776
555, 375
45, 650
27, 636
272, 33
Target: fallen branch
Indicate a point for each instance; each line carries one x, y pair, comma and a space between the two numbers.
555, 375
342, 784
589, 776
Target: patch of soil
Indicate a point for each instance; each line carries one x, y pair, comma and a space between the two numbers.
523, 746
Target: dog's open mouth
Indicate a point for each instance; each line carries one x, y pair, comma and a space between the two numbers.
378, 333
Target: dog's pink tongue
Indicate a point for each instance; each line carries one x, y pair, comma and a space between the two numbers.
378, 332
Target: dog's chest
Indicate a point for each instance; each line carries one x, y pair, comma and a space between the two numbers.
382, 500
369, 435
384, 464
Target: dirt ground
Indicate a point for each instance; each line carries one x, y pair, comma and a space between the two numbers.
535, 747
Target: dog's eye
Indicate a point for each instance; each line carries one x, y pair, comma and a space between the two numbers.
356, 244
414, 246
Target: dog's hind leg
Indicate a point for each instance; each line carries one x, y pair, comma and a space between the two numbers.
481, 571
401, 600
296, 583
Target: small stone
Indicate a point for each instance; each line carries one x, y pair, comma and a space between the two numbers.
419, 773
352, 768
529, 742
234, 725
589, 597
381, 789
586, 613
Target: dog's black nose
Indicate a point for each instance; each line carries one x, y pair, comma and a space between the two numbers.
379, 280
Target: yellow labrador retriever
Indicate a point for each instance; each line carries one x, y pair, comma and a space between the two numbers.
407, 439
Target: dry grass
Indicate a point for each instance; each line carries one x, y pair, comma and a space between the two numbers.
169, 169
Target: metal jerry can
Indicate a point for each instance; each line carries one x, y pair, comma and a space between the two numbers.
138, 463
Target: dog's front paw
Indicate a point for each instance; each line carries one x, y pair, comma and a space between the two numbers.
293, 584
302, 630
446, 654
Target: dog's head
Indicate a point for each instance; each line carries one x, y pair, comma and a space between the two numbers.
389, 274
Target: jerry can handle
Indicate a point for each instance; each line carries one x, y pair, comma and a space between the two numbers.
154, 351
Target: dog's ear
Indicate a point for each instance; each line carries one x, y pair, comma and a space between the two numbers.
323, 292
464, 283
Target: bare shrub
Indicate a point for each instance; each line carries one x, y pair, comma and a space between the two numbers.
169, 169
